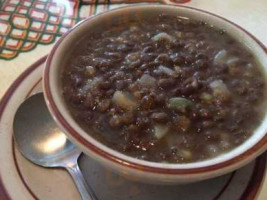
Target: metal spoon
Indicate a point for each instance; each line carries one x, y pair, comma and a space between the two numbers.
41, 141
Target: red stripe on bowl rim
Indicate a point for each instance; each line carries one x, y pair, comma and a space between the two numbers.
126, 163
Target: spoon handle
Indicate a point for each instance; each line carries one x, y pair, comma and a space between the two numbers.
85, 190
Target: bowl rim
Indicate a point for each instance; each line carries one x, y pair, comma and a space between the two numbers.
126, 163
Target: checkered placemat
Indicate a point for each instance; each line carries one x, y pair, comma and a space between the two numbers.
24, 24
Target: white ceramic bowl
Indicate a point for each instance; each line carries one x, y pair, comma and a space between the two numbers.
158, 173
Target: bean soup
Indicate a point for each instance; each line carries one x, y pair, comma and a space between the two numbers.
165, 89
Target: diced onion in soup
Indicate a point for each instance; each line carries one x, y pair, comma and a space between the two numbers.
132, 57
186, 154
163, 37
179, 34
206, 97
212, 150
123, 101
89, 71
134, 28
166, 70
160, 131
220, 89
147, 81
220, 57
91, 84
232, 61
179, 102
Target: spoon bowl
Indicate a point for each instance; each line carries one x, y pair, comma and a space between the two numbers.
40, 140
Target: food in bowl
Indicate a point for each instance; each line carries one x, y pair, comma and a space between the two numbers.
166, 89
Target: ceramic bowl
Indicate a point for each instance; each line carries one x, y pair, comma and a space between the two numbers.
140, 170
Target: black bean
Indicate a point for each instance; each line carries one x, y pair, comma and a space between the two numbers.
210, 49
133, 87
142, 122
179, 44
117, 75
176, 91
124, 48
133, 128
187, 90
77, 80
148, 49
187, 72
207, 124
114, 55
128, 118
259, 82
112, 47
189, 59
147, 102
178, 59
89, 101
200, 44
120, 84
85, 116
102, 63
201, 64
129, 44
221, 68
159, 117
160, 99
165, 27
182, 123
115, 121
144, 67
145, 91
97, 92
104, 85
241, 90
201, 55
110, 92
190, 34
104, 105
84, 60
146, 58
165, 83
204, 113
163, 59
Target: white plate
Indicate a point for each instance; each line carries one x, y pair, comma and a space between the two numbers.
22, 180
